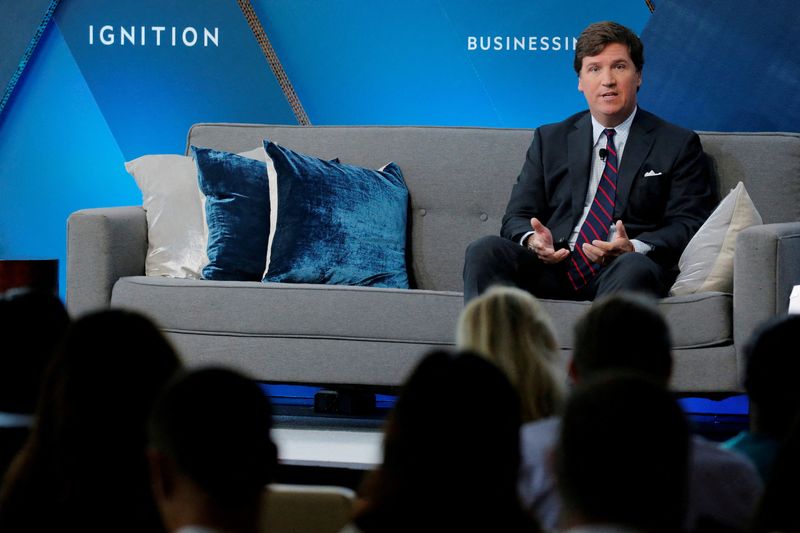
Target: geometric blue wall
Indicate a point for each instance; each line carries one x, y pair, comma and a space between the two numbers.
82, 108
724, 65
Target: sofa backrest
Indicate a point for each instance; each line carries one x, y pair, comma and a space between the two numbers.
767, 163
460, 179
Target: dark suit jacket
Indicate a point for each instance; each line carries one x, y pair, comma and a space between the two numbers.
663, 210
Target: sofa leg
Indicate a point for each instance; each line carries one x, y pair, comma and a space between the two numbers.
344, 402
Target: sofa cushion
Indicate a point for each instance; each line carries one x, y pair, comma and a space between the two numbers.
416, 316
336, 224
695, 320
237, 213
293, 310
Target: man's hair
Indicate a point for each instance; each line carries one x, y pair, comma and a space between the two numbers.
597, 36
623, 332
623, 454
215, 425
771, 370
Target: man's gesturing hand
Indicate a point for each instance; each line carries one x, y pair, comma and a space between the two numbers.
604, 252
541, 242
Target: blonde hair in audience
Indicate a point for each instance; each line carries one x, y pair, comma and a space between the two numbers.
510, 327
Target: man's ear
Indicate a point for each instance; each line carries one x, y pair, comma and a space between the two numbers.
161, 474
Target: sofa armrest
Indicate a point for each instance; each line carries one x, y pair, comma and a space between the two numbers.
103, 245
765, 268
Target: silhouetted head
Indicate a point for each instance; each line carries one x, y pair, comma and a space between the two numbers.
622, 456
84, 463
771, 375
213, 425
777, 507
451, 449
623, 332
104, 379
32, 323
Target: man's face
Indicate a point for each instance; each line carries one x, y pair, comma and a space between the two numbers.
609, 82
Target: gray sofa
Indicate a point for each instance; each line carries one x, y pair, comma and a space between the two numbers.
459, 181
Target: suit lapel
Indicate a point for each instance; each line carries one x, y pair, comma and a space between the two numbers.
640, 140
579, 155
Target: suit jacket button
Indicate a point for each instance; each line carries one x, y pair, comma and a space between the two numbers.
484, 217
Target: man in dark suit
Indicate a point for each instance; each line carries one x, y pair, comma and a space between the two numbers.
607, 199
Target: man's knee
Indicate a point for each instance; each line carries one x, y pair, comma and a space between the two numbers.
636, 272
489, 261
635, 262
485, 247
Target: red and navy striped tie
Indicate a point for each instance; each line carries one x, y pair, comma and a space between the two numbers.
581, 270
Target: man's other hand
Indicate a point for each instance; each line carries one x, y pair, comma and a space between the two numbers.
541, 243
604, 252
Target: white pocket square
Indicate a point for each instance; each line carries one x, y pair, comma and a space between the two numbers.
651, 173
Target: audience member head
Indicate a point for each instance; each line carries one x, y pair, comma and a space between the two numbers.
511, 328
211, 454
771, 371
451, 452
777, 509
112, 365
84, 461
622, 332
623, 455
32, 323
597, 36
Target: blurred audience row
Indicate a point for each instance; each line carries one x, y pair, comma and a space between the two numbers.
120, 437
101, 428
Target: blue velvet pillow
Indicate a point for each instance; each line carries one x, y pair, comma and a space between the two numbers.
337, 224
237, 213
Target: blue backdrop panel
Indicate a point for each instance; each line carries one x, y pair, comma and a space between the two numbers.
724, 65
389, 62
104, 86
18, 39
151, 84
57, 156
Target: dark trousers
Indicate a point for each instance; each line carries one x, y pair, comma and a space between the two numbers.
494, 260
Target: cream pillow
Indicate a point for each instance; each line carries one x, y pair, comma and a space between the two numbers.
707, 262
176, 227
176, 222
